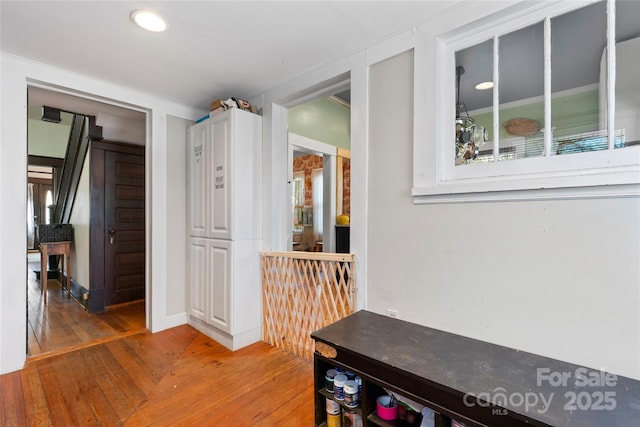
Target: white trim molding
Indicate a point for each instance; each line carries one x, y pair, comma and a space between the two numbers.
17, 74
177, 320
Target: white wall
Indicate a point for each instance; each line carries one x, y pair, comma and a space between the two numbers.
16, 74
48, 139
80, 219
559, 278
177, 220
118, 128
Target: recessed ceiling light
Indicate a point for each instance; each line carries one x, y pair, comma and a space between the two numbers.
148, 20
484, 85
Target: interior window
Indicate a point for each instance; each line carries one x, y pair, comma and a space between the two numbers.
577, 99
557, 120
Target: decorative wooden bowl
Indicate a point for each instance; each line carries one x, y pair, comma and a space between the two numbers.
522, 127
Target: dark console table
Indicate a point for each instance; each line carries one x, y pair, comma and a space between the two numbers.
474, 382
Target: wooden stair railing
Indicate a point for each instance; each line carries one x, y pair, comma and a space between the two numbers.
80, 137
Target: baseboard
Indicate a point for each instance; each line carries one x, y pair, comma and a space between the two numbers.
232, 342
247, 338
177, 320
80, 293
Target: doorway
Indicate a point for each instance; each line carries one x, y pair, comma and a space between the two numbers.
350, 77
319, 153
67, 320
314, 192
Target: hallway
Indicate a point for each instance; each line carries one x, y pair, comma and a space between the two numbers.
63, 325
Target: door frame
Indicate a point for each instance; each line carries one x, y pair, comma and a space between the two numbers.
329, 183
17, 75
352, 73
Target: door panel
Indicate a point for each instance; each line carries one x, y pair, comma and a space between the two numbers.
219, 258
198, 278
124, 228
197, 197
220, 208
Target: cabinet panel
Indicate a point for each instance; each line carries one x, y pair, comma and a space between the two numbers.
246, 291
221, 177
197, 177
246, 176
197, 278
220, 257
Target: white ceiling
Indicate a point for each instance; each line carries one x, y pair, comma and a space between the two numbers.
212, 49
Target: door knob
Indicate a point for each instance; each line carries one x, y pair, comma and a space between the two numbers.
112, 235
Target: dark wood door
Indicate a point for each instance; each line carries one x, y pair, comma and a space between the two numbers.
124, 228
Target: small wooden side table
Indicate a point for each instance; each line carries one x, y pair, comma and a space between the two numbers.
55, 248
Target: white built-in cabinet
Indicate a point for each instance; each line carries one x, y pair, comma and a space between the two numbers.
224, 202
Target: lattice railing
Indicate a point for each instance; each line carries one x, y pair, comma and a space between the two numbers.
303, 292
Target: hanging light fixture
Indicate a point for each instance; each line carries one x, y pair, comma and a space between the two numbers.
469, 136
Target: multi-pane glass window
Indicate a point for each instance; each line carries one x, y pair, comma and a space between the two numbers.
568, 83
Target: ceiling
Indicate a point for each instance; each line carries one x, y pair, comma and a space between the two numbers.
212, 49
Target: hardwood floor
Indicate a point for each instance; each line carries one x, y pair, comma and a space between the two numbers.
175, 377
63, 324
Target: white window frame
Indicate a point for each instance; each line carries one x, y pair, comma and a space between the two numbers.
317, 183
437, 178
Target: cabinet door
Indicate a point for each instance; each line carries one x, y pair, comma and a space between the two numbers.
220, 277
198, 141
197, 278
246, 175
220, 205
